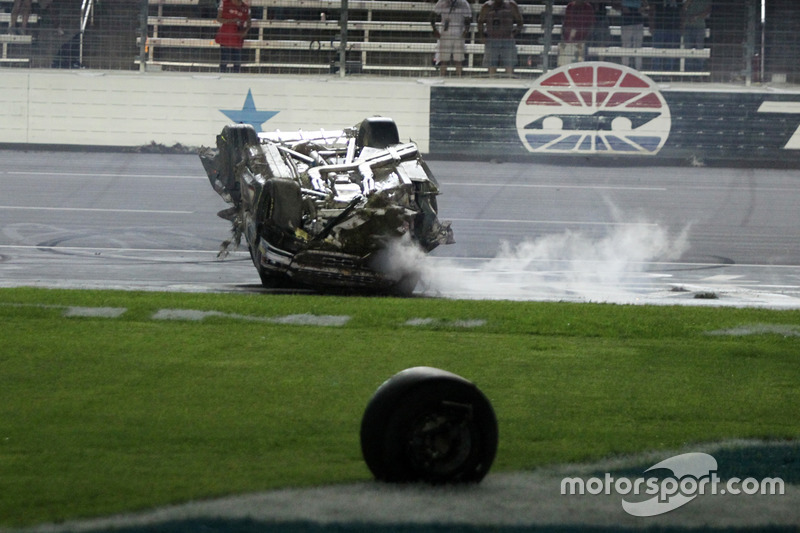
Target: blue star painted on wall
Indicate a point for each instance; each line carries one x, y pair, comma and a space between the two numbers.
248, 114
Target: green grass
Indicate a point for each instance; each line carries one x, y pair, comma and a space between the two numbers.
102, 415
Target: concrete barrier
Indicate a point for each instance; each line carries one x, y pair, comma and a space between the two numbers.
592, 110
124, 109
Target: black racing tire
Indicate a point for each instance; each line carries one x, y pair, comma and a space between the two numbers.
377, 132
428, 425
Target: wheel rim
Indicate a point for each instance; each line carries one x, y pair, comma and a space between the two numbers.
440, 441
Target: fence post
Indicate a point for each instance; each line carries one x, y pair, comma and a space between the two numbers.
86, 9
750, 41
343, 40
547, 37
143, 12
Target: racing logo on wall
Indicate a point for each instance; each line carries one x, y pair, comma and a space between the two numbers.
594, 107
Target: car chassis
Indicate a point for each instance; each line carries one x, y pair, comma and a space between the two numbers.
326, 209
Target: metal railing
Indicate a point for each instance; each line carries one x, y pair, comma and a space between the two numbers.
87, 9
385, 37
379, 36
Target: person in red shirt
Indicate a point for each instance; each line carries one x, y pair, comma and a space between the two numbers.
234, 15
575, 31
578, 22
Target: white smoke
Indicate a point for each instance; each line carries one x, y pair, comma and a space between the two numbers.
567, 266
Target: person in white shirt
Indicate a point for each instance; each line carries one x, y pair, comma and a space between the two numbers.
455, 17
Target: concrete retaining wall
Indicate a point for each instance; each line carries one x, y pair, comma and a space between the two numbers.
591, 109
129, 109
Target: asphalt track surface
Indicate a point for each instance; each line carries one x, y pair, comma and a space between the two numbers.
662, 235
640, 234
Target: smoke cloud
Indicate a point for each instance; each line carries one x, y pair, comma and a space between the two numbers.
568, 266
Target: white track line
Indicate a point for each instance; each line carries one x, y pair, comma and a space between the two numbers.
97, 210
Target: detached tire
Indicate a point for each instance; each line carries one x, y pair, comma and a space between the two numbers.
430, 425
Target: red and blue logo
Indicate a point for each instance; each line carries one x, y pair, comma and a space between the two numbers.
594, 107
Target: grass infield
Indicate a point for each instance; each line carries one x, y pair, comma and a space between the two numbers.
109, 404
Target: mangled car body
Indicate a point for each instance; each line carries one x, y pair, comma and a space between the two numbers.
325, 208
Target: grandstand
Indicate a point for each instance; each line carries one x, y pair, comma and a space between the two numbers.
383, 37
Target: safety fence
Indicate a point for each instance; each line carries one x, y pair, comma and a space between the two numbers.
384, 37
71, 34
741, 41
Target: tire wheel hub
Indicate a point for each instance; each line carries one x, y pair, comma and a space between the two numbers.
440, 442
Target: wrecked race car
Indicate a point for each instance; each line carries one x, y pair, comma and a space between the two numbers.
328, 209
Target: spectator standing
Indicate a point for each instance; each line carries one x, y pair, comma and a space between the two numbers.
665, 25
601, 31
23, 8
695, 13
234, 15
499, 22
632, 28
456, 16
575, 31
